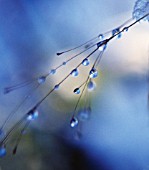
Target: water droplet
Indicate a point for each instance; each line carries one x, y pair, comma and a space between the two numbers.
93, 73
126, 29
85, 62
59, 53
41, 79
141, 8
32, 115
101, 46
101, 36
91, 85
56, 87
74, 72
2, 151
77, 91
74, 122
64, 63
84, 114
116, 31
53, 71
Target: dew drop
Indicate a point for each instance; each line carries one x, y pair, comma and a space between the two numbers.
91, 85
41, 79
85, 62
116, 31
56, 87
141, 8
64, 63
93, 73
74, 72
77, 91
101, 46
33, 115
84, 114
2, 151
53, 71
101, 36
126, 29
74, 122
59, 53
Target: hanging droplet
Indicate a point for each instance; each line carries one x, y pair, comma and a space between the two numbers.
2, 151
116, 31
74, 122
101, 45
93, 73
126, 29
77, 91
41, 79
59, 53
53, 71
74, 72
84, 114
56, 87
85, 62
32, 115
141, 8
101, 36
91, 85
64, 63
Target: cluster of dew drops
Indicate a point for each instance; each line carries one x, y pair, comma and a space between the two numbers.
98, 45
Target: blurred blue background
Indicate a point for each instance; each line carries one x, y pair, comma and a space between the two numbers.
117, 135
